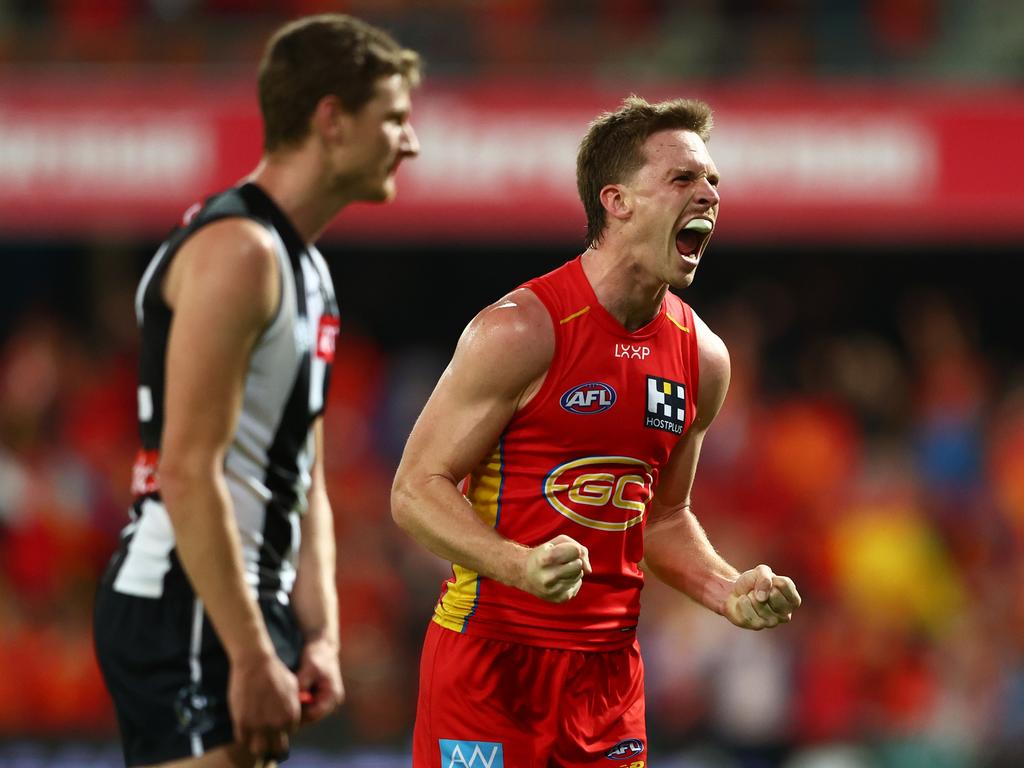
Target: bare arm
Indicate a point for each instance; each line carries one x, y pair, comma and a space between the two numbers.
315, 597
499, 364
223, 286
676, 548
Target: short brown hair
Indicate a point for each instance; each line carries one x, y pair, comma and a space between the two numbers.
317, 56
612, 150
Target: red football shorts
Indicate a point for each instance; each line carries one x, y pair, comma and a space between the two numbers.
492, 704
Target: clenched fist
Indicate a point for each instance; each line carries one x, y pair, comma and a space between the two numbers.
761, 599
555, 569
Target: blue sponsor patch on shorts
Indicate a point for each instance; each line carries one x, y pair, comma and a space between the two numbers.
471, 754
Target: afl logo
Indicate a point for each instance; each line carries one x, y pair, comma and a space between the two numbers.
608, 493
592, 397
625, 749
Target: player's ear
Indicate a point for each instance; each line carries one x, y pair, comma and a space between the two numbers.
330, 120
616, 201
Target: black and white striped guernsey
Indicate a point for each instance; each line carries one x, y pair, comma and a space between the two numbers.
268, 463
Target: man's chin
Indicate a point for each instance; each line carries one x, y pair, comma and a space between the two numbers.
682, 280
383, 194
370, 191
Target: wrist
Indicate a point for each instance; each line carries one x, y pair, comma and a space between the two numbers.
514, 565
716, 592
251, 654
323, 637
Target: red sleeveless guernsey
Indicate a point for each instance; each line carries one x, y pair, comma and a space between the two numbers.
581, 458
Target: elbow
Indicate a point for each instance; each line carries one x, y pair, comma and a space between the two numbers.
174, 478
418, 499
181, 477
401, 502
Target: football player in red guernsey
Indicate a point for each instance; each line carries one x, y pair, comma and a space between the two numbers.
557, 453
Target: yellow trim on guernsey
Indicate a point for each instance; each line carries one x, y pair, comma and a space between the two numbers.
677, 324
459, 601
574, 315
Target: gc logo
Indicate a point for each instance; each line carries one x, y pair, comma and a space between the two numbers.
620, 486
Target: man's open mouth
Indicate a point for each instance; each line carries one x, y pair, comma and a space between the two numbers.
690, 238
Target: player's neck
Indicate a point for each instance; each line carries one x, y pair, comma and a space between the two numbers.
622, 286
293, 182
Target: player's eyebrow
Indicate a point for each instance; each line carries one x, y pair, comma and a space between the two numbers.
677, 170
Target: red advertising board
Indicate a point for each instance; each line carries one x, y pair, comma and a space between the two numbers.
824, 164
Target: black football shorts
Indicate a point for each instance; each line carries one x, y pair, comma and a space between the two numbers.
167, 671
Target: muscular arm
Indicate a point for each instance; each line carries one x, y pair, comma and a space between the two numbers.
223, 286
499, 363
677, 550
315, 596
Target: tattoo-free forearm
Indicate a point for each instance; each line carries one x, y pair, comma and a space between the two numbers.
678, 552
209, 549
315, 596
434, 513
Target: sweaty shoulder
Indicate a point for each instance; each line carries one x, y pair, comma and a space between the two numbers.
511, 343
232, 261
714, 372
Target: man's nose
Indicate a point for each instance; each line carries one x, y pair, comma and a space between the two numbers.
708, 193
410, 143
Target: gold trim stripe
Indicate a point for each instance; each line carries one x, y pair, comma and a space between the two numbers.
574, 315
677, 324
459, 602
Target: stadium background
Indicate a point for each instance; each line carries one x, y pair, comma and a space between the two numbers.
872, 444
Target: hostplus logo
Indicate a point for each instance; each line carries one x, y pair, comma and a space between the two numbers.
471, 754
666, 405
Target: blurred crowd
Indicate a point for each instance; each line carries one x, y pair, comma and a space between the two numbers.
889, 481
884, 472
918, 40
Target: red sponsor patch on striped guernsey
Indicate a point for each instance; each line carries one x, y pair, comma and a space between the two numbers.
190, 213
326, 337
144, 477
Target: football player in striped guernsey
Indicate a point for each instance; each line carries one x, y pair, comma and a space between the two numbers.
216, 622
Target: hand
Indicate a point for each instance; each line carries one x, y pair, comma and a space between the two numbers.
320, 676
554, 570
263, 697
760, 599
